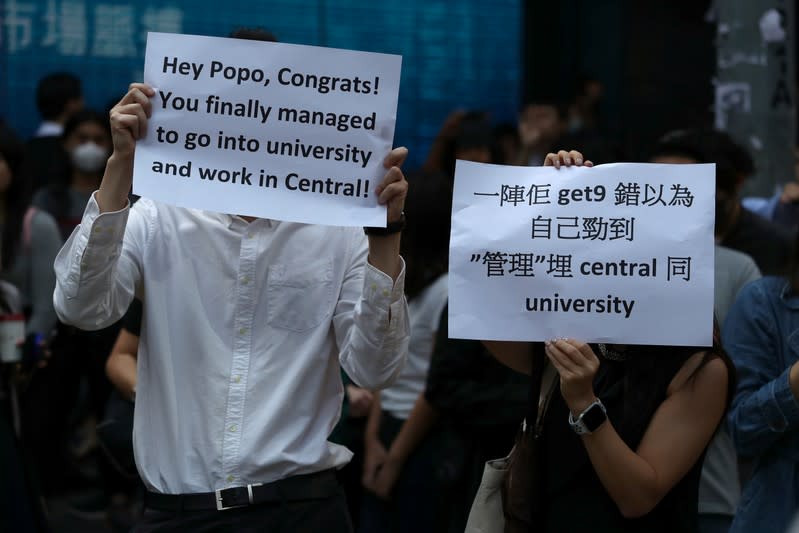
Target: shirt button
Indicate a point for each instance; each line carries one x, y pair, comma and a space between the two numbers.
230, 479
237, 379
233, 428
242, 331
250, 235
245, 280
385, 292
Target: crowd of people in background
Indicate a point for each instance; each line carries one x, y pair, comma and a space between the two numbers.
719, 425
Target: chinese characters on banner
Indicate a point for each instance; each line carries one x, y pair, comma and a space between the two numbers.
77, 28
616, 253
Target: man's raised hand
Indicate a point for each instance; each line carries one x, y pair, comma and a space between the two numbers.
129, 119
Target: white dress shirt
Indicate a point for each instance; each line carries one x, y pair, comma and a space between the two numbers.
243, 330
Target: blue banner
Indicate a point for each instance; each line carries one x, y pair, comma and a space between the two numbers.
457, 54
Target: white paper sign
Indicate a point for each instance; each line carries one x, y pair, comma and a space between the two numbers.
274, 130
619, 253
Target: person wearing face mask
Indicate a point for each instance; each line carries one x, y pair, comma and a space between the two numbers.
87, 144
29, 243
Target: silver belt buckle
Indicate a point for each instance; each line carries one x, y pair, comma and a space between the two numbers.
249, 490
220, 506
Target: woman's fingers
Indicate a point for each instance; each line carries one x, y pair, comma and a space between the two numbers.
585, 350
551, 160
563, 360
574, 356
566, 158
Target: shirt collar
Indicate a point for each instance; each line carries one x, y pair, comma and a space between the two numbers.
230, 221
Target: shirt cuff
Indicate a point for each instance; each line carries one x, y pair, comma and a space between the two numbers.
101, 230
385, 300
92, 244
380, 290
782, 412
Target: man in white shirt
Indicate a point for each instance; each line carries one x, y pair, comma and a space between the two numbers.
244, 326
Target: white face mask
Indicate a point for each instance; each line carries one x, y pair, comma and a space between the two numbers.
89, 157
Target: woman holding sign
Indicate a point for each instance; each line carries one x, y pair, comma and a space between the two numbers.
620, 439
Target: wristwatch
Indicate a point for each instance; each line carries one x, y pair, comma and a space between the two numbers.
589, 420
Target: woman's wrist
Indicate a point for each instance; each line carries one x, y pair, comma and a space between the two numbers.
580, 403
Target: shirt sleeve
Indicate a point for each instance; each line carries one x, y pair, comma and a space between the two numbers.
45, 242
764, 407
99, 267
371, 321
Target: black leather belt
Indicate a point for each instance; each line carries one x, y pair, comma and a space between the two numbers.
316, 486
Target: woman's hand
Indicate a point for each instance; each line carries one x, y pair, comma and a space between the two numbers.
566, 159
387, 477
577, 365
360, 401
374, 457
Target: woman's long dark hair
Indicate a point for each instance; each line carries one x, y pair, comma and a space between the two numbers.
425, 240
16, 198
655, 367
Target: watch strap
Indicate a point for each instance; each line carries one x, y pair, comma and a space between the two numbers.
390, 229
590, 419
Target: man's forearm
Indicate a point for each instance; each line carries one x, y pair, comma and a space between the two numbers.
117, 180
384, 254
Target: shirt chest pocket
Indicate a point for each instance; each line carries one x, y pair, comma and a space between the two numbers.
299, 295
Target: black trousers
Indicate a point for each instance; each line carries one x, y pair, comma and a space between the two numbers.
328, 515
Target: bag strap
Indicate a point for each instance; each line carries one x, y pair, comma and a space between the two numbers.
550, 381
539, 360
544, 379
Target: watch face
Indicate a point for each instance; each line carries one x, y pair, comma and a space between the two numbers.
594, 417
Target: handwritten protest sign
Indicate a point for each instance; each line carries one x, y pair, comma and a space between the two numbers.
273, 130
618, 253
